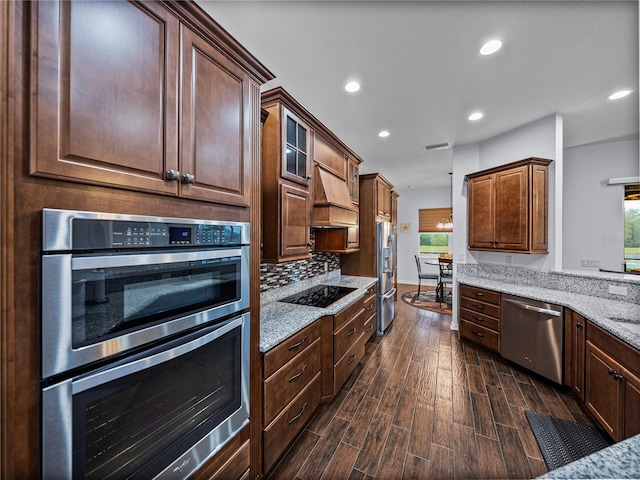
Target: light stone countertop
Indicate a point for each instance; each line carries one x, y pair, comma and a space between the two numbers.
279, 320
620, 460
600, 311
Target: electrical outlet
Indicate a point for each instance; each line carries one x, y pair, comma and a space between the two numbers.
509, 259
617, 290
589, 263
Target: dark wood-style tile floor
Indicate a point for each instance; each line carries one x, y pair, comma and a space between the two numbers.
422, 404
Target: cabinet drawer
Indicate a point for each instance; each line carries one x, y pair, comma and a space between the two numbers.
287, 382
480, 307
368, 327
344, 315
346, 365
278, 356
347, 336
486, 296
369, 305
279, 434
480, 335
372, 290
480, 319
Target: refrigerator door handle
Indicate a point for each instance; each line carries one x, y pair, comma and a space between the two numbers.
389, 294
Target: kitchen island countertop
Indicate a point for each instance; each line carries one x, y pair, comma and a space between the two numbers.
279, 320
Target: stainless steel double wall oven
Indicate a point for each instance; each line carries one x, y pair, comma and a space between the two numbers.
144, 343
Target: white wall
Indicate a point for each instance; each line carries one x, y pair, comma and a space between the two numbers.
409, 202
594, 219
541, 138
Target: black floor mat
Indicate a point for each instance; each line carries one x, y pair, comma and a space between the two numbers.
562, 441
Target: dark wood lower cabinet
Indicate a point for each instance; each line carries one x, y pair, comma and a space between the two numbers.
574, 352
612, 388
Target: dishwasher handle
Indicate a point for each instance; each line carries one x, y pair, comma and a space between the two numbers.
533, 308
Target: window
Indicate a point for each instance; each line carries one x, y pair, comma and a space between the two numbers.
434, 241
632, 228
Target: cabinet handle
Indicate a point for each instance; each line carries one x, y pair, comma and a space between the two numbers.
478, 319
479, 307
298, 415
297, 375
617, 376
296, 345
188, 178
481, 335
578, 325
309, 244
478, 294
172, 175
370, 307
370, 290
351, 359
308, 177
353, 330
370, 327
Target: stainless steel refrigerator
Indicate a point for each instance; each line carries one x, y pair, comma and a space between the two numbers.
386, 260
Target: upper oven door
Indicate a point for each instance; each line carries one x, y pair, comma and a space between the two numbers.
97, 306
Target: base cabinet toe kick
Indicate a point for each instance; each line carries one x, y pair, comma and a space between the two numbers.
602, 371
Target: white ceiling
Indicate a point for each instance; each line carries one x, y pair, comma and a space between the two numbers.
421, 73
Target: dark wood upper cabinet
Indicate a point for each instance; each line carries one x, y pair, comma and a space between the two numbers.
129, 96
508, 207
215, 162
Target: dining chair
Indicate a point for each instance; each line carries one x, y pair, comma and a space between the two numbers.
445, 278
424, 276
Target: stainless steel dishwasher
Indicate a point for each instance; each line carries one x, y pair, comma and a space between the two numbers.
533, 335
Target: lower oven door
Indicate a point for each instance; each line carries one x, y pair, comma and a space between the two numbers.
156, 415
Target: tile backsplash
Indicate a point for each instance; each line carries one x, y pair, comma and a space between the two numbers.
274, 275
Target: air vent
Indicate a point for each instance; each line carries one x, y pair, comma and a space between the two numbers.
438, 146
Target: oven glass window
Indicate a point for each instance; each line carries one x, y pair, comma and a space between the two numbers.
107, 302
137, 425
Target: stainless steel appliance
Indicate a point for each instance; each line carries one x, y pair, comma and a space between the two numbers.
532, 335
112, 283
145, 336
386, 258
319, 296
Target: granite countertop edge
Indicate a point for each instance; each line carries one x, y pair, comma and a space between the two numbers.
279, 320
600, 464
598, 310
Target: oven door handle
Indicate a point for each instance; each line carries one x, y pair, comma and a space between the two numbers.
82, 383
108, 261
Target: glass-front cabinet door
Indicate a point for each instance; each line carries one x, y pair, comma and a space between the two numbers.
296, 158
353, 181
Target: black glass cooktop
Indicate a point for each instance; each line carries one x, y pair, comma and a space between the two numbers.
319, 296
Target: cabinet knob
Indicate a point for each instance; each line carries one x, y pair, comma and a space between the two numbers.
308, 177
309, 244
188, 178
172, 175
578, 325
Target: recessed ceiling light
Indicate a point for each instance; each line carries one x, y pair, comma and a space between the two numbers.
476, 116
492, 46
620, 94
383, 134
352, 87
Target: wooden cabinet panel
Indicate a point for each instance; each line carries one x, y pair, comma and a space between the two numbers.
574, 348
279, 434
353, 180
287, 382
106, 94
337, 240
508, 207
346, 365
631, 420
480, 307
384, 201
347, 335
486, 337
480, 316
215, 128
292, 346
294, 222
603, 392
480, 294
328, 155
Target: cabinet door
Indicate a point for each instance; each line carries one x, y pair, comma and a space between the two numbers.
384, 201
575, 339
105, 83
215, 161
294, 221
603, 391
296, 159
481, 212
631, 404
353, 181
512, 211
328, 155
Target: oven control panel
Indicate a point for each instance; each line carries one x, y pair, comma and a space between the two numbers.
114, 234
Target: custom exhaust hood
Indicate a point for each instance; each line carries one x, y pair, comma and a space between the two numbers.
332, 206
